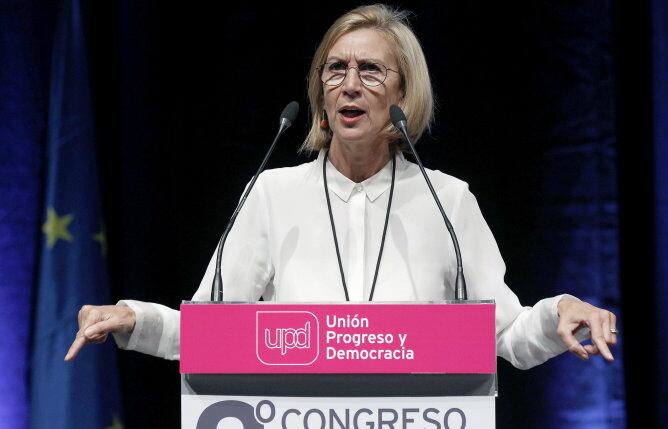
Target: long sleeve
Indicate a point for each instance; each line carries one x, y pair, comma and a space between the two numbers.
526, 336
247, 271
156, 330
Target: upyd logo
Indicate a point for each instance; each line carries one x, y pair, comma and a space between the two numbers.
286, 337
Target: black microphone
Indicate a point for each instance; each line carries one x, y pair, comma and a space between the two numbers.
287, 118
399, 120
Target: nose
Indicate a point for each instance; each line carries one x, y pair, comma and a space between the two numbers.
352, 85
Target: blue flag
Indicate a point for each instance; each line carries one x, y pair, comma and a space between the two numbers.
72, 271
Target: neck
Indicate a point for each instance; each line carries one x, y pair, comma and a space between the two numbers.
358, 162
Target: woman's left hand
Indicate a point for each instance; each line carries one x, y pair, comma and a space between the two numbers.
575, 315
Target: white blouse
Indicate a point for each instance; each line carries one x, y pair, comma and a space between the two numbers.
281, 248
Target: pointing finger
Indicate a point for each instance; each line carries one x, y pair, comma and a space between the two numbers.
598, 337
76, 346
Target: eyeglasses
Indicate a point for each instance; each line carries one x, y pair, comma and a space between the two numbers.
371, 74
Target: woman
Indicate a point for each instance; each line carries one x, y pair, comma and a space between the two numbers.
358, 222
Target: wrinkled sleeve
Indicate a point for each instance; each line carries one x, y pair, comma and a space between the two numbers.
247, 270
525, 336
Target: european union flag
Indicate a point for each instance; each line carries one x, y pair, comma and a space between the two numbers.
73, 272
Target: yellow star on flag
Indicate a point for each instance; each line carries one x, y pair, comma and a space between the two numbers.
101, 237
116, 424
55, 227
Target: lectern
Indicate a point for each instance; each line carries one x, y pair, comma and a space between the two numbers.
338, 366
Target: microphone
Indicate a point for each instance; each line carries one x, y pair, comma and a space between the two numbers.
399, 121
288, 116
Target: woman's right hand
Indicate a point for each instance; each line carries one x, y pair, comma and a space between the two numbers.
96, 322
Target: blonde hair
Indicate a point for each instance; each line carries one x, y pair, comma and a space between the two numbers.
418, 100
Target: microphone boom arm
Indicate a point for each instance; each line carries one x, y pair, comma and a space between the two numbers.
287, 117
399, 121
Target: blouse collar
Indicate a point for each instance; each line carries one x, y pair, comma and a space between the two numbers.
374, 186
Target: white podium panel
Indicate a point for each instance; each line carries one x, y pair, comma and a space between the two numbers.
253, 412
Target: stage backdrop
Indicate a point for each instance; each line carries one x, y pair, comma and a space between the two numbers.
526, 116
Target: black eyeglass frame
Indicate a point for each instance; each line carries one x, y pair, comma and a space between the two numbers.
321, 69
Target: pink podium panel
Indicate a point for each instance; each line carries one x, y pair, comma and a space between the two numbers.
338, 338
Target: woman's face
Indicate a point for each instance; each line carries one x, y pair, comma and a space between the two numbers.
357, 113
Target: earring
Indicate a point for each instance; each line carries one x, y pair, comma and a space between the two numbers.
324, 124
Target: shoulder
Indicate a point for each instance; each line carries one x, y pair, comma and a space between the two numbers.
443, 183
284, 177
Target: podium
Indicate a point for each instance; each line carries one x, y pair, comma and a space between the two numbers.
338, 366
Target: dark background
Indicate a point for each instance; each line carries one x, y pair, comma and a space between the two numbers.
526, 101
544, 108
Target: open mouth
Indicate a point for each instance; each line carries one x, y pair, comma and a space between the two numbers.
351, 113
